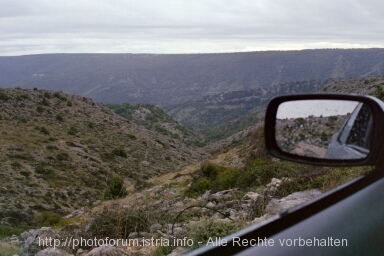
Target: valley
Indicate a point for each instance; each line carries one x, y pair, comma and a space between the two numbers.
88, 160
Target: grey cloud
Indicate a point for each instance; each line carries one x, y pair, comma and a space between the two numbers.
187, 26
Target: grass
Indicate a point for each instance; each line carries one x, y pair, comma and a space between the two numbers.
208, 230
8, 249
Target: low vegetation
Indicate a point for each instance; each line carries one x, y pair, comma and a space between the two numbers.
77, 154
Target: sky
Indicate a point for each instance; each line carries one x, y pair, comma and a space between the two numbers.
187, 26
316, 108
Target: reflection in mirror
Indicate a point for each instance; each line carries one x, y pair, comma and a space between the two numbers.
332, 129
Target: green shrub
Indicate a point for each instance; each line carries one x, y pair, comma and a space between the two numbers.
59, 96
49, 219
7, 231
62, 156
210, 229
199, 186
44, 102
47, 95
44, 130
72, 130
161, 130
107, 156
23, 120
163, 250
227, 179
3, 95
46, 171
213, 177
378, 92
39, 109
210, 170
118, 223
119, 152
69, 103
115, 188
59, 118
132, 136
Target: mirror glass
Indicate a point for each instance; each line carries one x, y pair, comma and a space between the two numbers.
332, 129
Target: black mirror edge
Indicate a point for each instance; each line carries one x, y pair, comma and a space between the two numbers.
376, 105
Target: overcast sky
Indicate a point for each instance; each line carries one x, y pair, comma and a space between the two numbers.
187, 26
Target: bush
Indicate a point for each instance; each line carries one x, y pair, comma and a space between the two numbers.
72, 130
46, 171
115, 189
227, 179
210, 170
62, 156
47, 95
161, 130
43, 130
49, 219
44, 102
59, 96
132, 136
39, 109
119, 152
3, 95
210, 229
199, 187
59, 118
213, 177
378, 92
118, 223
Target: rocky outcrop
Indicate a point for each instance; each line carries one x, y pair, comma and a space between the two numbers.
220, 207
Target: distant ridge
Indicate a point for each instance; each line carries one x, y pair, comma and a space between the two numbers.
169, 79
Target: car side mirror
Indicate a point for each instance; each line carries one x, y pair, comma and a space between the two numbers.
324, 129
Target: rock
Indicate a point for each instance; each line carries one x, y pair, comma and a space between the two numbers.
275, 181
25, 235
155, 227
52, 252
276, 206
97, 202
179, 251
37, 239
252, 196
205, 196
221, 195
14, 240
105, 250
211, 205
133, 235
75, 213
260, 219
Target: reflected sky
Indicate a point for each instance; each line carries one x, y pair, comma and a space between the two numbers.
305, 108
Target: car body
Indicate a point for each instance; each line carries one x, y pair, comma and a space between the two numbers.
354, 138
352, 213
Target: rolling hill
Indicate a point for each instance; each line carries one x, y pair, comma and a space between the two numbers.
59, 152
170, 79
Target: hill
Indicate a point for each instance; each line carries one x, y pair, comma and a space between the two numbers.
60, 152
52, 143
221, 115
170, 79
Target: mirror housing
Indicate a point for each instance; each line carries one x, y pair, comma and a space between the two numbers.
348, 132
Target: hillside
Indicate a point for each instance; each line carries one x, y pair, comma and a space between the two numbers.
363, 86
59, 152
154, 118
176, 78
221, 115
